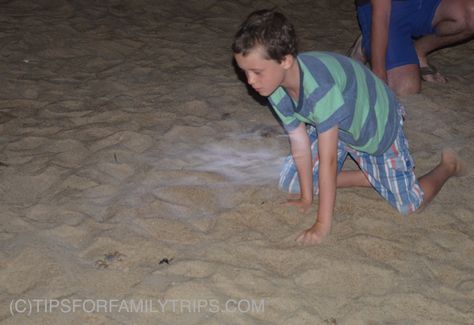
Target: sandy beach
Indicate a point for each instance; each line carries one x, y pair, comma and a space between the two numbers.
138, 178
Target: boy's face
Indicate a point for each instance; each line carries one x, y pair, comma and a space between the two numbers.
264, 75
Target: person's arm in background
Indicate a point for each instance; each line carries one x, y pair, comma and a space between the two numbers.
379, 36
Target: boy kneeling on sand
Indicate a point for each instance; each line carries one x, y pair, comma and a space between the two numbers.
331, 107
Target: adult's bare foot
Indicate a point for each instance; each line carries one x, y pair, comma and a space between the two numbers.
429, 73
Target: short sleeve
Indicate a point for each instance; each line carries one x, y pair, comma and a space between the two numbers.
284, 108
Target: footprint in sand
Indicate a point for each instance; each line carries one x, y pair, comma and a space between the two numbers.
110, 259
330, 321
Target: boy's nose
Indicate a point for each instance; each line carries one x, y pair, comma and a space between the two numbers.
250, 78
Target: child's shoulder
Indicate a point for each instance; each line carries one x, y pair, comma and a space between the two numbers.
323, 68
321, 55
324, 61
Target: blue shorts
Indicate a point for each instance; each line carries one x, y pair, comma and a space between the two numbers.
409, 19
391, 174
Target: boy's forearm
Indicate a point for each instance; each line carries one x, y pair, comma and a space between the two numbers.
327, 175
301, 152
327, 190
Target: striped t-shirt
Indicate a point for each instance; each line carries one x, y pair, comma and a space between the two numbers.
335, 90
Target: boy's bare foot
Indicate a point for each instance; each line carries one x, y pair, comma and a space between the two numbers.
432, 182
314, 235
451, 160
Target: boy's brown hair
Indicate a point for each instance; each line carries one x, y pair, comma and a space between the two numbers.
271, 30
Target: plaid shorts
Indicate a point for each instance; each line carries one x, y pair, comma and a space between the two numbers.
391, 174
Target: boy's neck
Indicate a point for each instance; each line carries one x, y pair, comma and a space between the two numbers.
292, 80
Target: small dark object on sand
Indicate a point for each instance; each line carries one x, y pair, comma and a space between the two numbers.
166, 260
115, 256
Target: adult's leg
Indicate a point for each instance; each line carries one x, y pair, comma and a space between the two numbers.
453, 22
403, 75
404, 80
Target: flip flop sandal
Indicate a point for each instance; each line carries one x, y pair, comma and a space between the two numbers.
352, 51
428, 70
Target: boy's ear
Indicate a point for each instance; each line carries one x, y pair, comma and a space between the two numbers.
287, 61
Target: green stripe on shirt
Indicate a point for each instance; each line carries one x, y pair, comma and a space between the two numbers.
327, 105
362, 102
337, 71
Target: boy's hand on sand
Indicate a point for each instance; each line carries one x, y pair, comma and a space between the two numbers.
302, 205
314, 235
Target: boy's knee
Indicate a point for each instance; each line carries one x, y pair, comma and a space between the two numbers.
289, 183
410, 207
413, 201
